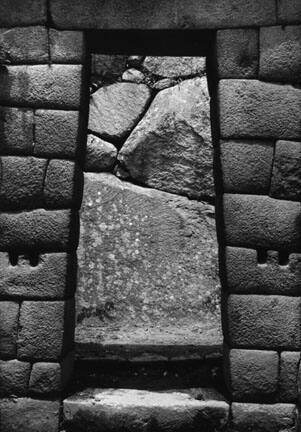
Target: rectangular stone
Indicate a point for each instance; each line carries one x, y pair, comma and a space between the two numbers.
67, 46
289, 11
263, 322
255, 221
22, 12
9, 314
255, 109
16, 131
288, 379
14, 378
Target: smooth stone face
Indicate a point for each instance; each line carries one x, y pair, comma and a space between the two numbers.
100, 155
171, 67
170, 149
147, 267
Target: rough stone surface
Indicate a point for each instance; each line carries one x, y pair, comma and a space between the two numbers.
57, 133
246, 274
171, 67
140, 410
46, 329
16, 131
237, 53
288, 379
9, 312
107, 67
255, 109
262, 222
170, 149
100, 155
265, 322
286, 176
67, 46
14, 377
164, 83
55, 86
22, 12
47, 231
52, 276
289, 11
21, 185
246, 166
29, 415
115, 109
147, 267
280, 53
133, 75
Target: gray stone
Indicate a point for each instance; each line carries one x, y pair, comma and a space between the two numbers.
16, 131
100, 155
135, 61
9, 313
108, 66
133, 75
289, 11
164, 83
14, 377
115, 109
174, 67
22, 12
67, 46
170, 149
288, 379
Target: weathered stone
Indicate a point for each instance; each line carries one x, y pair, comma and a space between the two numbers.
246, 166
9, 312
16, 131
67, 46
272, 322
46, 329
262, 222
255, 109
21, 185
100, 155
23, 45
55, 86
115, 109
174, 67
288, 379
170, 149
248, 417
245, 274
147, 266
133, 75
286, 176
289, 11
14, 377
29, 415
57, 133
237, 53
164, 83
22, 12
108, 66
52, 276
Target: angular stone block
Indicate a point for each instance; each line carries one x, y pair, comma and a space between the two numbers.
22, 12
57, 133
246, 166
16, 131
67, 46
100, 155
46, 329
262, 222
51, 276
237, 53
264, 322
9, 313
255, 109
54, 86
14, 378
288, 379
247, 274
289, 11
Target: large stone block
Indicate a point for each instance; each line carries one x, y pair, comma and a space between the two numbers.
247, 273
16, 131
262, 222
255, 109
289, 11
14, 378
46, 329
9, 313
54, 86
264, 322
51, 276
48, 231
22, 12
288, 379
67, 46
175, 67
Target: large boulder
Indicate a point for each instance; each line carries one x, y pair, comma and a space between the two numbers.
172, 67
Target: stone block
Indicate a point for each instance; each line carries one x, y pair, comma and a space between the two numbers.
252, 375
23, 45
108, 67
263, 322
246, 273
57, 133
16, 131
55, 86
47, 231
9, 313
289, 11
288, 379
67, 46
255, 109
262, 222
100, 155
22, 12
247, 417
286, 175
280, 53
46, 329
29, 415
14, 378
63, 184
21, 184
46, 276
237, 53
246, 166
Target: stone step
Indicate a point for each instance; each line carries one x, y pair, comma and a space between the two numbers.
131, 410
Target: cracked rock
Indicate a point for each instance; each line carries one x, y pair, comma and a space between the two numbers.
171, 67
